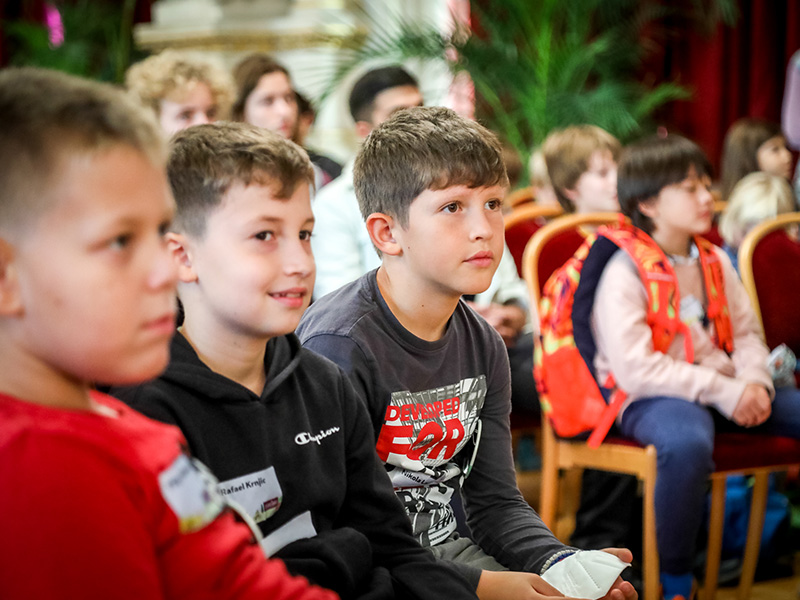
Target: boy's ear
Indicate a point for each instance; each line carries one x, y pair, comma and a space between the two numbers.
10, 297
648, 208
180, 250
363, 129
381, 228
571, 194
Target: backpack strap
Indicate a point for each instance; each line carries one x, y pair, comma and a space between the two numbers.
663, 309
714, 279
661, 287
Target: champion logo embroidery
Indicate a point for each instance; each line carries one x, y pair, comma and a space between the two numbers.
303, 438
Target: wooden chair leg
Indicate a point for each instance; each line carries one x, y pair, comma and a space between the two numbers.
549, 497
715, 527
650, 548
754, 529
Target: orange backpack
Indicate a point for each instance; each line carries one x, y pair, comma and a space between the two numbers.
569, 392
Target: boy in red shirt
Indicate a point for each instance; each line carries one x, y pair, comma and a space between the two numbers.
99, 501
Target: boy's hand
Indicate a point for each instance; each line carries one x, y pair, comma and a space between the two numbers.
621, 590
507, 319
514, 585
754, 406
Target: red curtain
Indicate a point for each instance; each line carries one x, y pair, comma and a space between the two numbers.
736, 72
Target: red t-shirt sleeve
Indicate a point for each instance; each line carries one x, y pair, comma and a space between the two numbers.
79, 524
74, 528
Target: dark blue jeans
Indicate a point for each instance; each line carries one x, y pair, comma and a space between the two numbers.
683, 434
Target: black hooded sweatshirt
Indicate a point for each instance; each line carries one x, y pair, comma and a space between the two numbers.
300, 459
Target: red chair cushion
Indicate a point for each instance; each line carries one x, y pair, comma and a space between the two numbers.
558, 250
744, 451
517, 237
776, 271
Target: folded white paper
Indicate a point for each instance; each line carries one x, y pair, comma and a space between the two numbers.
585, 574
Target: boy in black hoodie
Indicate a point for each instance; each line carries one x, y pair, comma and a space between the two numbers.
278, 425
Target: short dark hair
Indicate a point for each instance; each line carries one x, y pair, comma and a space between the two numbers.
246, 75
740, 149
372, 83
649, 165
304, 105
205, 160
422, 149
47, 117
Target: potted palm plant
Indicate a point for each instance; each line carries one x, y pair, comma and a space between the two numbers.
545, 64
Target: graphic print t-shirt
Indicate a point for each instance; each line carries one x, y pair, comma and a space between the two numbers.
421, 440
428, 401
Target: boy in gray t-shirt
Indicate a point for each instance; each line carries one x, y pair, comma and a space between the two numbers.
435, 375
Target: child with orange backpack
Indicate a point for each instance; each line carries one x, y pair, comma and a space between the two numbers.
682, 354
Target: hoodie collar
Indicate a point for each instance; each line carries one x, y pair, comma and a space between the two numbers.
188, 371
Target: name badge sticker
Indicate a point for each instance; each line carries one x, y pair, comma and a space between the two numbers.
259, 494
190, 490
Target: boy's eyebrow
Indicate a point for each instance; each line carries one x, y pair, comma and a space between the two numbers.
270, 219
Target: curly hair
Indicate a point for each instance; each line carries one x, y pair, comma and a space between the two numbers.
170, 72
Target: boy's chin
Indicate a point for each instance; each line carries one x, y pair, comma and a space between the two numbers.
286, 329
135, 376
476, 286
473, 291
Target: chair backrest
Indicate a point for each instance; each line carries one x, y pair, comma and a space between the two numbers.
713, 235
526, 195
522, 222
554, 244
769, 264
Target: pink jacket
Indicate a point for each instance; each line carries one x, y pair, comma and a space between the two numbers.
625, 347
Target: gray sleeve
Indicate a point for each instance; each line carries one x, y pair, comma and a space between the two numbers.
501, 521
359, 366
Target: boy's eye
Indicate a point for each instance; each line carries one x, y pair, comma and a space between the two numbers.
185, 116
305, 235
494, 204
265, 235
451, 208
121, 241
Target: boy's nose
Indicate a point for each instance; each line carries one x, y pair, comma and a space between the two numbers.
298, 260
285, 107
706, 197
481, 226
201, 118
164, 270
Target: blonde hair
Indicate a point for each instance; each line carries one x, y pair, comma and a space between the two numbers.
567, 153
757, 197
163, 75
47, 117
537, 170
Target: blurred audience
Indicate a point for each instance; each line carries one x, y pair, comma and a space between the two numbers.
182, 90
